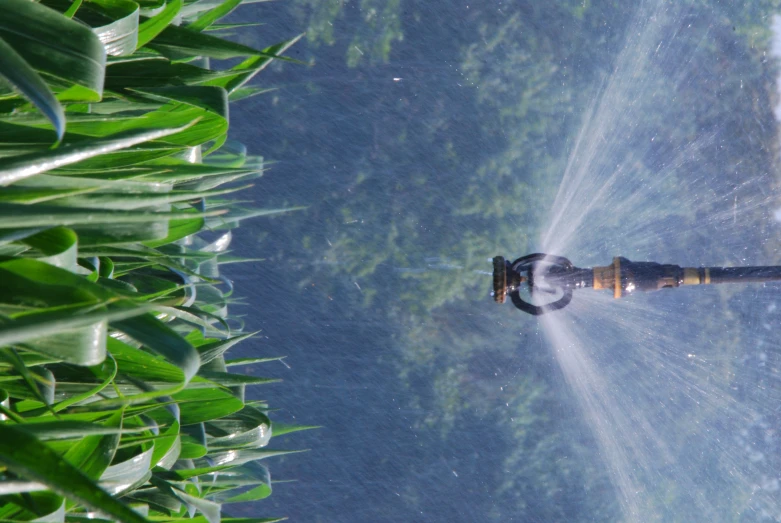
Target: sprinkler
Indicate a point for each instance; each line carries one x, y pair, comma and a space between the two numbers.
556, 276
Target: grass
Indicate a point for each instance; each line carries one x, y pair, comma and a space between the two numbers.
116, 398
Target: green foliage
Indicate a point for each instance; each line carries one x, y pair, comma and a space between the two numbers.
115, 397
374, 25
420, 209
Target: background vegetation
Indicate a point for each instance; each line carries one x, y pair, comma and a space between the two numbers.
458, 160
117, 399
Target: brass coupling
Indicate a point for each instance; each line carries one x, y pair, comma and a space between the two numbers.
692, 276
609, 277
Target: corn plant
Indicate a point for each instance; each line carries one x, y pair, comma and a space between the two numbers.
117, 401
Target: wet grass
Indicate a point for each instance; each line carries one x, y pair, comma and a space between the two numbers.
116, 396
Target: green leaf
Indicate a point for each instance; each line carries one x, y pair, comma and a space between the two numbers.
192, 450
242, 93
251, 361
16, 168
215, 349
211, 16
13, 216
24, 78
246, 70
129, 473
73, 8
226, 27
212, 98
45, 505
175, 42
283, 428
163, 340
168, 448
34, 461
115, 22
149, 28
61, 314
93, 454
242, 456
157, 72
248, 427
237, 214
120, 35
262, 491
64, 429
11, 356
121, 200
178, 229
177, 172
193, 121
199, 405
228, 379
107, 371
29, 195
59, 246
57, 333
66, 51
209, 509
142, 365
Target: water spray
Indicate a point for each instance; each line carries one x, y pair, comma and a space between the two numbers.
557, 277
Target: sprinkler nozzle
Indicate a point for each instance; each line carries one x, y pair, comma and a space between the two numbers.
545, 273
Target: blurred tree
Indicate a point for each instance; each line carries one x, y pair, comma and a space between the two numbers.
436, 181
373, 25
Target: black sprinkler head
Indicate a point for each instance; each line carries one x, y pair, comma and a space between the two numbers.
501, 284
